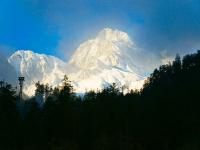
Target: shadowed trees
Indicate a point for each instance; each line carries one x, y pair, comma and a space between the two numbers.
9, 118
164, 115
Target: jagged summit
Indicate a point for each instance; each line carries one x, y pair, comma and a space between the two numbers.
114, 35
109, 48
37, 67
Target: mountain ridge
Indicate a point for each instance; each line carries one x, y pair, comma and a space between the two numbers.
96, 63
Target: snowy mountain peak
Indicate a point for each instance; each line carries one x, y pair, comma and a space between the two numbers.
114, 35
103, 60
37, 67
110, 48
28, 54
24, 52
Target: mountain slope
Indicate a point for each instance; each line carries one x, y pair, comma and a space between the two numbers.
37, 67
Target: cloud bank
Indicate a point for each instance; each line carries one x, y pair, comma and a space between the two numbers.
171, 26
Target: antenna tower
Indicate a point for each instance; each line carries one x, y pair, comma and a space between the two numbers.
21, 81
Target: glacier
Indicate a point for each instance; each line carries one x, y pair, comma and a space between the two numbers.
95, 64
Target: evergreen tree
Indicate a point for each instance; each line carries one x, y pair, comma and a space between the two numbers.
9, 118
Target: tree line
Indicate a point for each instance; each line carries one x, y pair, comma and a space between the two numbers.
163, 115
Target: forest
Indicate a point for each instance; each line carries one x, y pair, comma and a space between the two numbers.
163, 115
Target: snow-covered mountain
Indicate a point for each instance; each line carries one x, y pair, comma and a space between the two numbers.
105, 49
96, 63
105, 59
37, 67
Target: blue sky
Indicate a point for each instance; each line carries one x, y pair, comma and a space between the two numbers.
57, 27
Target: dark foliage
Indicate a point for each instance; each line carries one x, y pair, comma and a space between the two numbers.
164, 115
